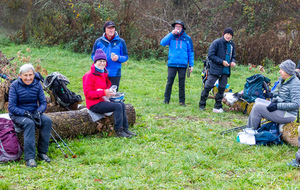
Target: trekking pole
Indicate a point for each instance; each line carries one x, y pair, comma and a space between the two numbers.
66, 156
233, 129
73, 155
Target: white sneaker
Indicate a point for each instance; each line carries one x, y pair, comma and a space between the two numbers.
220, 110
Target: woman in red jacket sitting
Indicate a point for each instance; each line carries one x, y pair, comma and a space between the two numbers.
95, 86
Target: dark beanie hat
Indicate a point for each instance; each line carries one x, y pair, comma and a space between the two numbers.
228, 30
288, 66
99, 55
108, 24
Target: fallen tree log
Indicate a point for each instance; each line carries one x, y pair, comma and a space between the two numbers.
71, 124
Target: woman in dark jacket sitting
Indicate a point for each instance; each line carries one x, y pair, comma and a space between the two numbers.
27, 103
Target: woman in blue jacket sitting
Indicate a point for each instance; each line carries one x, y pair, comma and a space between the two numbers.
27, 104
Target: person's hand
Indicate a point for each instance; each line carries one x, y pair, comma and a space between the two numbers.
225, 63
37, 117
115, 58
175, 31
272, 107
27, 114
191, 69
109, 93
232, 64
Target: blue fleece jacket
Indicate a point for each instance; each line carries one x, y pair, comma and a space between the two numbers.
24, 97
181, 50
117, 46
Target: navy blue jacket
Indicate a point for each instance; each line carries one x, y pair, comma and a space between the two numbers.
217, 54
24, 97
117, 46
181, 50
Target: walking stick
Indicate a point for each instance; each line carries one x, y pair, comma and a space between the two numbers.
73, 155
66, 156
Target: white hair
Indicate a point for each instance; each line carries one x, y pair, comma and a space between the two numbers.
26, 67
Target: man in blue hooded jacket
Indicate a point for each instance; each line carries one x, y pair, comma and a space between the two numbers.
115, 50
222, 55
181, 55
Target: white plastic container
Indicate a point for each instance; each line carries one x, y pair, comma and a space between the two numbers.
262, 101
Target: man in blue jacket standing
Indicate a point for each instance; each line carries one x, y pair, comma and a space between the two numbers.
222, 55
181, 56
115, 49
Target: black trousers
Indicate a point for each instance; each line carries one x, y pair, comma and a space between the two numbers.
119, 110
115, 81
171, 76
209, 84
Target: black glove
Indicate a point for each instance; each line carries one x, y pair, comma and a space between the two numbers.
266, 95
272, 107
37, 117
28, 114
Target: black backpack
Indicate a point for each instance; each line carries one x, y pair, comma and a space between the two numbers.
205, 71
57, 83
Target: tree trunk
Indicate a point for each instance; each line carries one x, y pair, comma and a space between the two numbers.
71, 124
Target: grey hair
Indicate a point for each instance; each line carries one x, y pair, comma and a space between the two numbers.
26, 67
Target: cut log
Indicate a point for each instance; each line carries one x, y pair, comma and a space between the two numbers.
290, 133
71, 124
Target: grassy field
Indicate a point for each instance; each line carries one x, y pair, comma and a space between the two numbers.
176, 147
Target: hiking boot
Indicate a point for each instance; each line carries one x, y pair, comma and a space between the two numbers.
166, 102
294, 163
121, 133
31, 163
202, 108
182, 104
44, 157
129, 132
220, 110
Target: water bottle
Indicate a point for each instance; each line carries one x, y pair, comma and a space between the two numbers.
113, 88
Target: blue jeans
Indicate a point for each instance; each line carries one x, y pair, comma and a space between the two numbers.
119, 110
28, 127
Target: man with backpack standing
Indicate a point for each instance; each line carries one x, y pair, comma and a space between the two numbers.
221, 53
181, 56
115, 50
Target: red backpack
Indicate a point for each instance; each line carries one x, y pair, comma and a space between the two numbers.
10, 146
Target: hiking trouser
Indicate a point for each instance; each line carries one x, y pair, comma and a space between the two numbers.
119, 110
209, 84
181, 77
28, 127
115, 81
260, 111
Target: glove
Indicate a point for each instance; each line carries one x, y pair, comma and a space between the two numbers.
37, 117
272, 107
266, 95
28, 114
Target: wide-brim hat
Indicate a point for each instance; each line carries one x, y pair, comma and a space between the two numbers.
179, 22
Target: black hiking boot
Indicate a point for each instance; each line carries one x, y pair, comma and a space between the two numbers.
182, 104
31, 163
121, 133
44, 157
129, 132
166, 102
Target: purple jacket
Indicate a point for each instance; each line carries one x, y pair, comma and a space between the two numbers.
24, 97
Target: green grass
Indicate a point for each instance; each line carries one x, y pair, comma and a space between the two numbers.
176, 148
